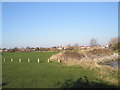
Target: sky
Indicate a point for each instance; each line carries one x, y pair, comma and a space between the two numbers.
47, 24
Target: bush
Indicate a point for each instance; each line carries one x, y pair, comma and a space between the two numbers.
115, 46
13, 50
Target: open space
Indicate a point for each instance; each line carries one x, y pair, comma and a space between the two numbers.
59, 44
49, 75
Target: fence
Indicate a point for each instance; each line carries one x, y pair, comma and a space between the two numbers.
28, 60
20, 60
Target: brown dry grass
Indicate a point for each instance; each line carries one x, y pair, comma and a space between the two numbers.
70, 58
72, 55
67, 56
108, 73
100, 52
75, 58
89, 64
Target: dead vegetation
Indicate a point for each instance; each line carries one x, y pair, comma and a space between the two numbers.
85, 60
97, 55
100, 52
72, 55
68, 56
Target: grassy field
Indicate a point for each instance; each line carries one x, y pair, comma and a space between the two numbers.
48, 75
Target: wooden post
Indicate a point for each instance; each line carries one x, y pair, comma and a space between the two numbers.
59, 61
11, 60
4, 59
20, 60
38, 60
28, 60
48, 61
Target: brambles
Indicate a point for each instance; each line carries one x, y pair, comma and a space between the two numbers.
114, 43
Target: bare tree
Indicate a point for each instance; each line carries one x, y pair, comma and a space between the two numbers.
69, 45
14, 49
114, 40
93, 42
114, 43
76, 45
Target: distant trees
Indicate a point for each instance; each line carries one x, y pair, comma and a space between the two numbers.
114, 43
54, 47
72, 47
76, 46
4, 48
44, 49
37, 49
69, 47
93, 42
14, 49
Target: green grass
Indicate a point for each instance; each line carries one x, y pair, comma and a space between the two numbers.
43, 74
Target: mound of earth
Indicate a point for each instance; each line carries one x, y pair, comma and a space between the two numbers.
96, 55
67, 55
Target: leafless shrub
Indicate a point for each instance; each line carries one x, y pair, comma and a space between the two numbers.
114, 40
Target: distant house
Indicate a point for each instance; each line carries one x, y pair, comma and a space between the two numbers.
84, 47
0, 50
22, 50
59, 48
87, 46
107, 46
5, 50
100, 46
66, 47
33, 49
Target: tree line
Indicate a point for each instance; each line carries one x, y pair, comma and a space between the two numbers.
113, 44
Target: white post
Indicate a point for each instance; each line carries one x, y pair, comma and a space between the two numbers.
38, 60
20, 60
28, 60
58, 61
48, 60
11, 60
4, 59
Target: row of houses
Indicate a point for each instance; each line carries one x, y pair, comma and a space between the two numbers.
87, 47
51, 49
